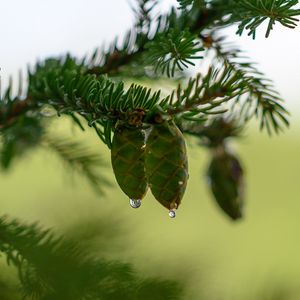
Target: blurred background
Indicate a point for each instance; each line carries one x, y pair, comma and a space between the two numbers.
213, 258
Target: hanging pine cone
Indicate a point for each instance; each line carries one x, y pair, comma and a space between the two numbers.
128, 161
166, 164
225, 176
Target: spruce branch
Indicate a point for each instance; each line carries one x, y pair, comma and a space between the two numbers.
260, 98
173, 51
167, 44
54, 268
102, 102
19, 136
78, 157
184, 3
111, 60
143, 14
249, 14
205, 93
11, 108
253, 13
215, 132
99, 100
84, 89
133, 49
28, 132
202, 15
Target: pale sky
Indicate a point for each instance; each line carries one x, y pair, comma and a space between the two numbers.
35, 29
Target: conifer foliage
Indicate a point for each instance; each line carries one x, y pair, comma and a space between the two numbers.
141, 126
51, 267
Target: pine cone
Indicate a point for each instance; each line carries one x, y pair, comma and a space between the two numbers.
128, 160
166, 164
225, 175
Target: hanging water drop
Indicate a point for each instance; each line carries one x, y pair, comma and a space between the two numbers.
135, 203
172, 214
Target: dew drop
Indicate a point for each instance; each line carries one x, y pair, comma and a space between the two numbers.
172, 214
135, 203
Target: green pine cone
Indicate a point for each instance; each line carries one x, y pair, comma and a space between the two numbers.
128, 160
225, 176
166, 164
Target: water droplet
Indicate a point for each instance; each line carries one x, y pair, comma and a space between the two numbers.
135, 203
172, 214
